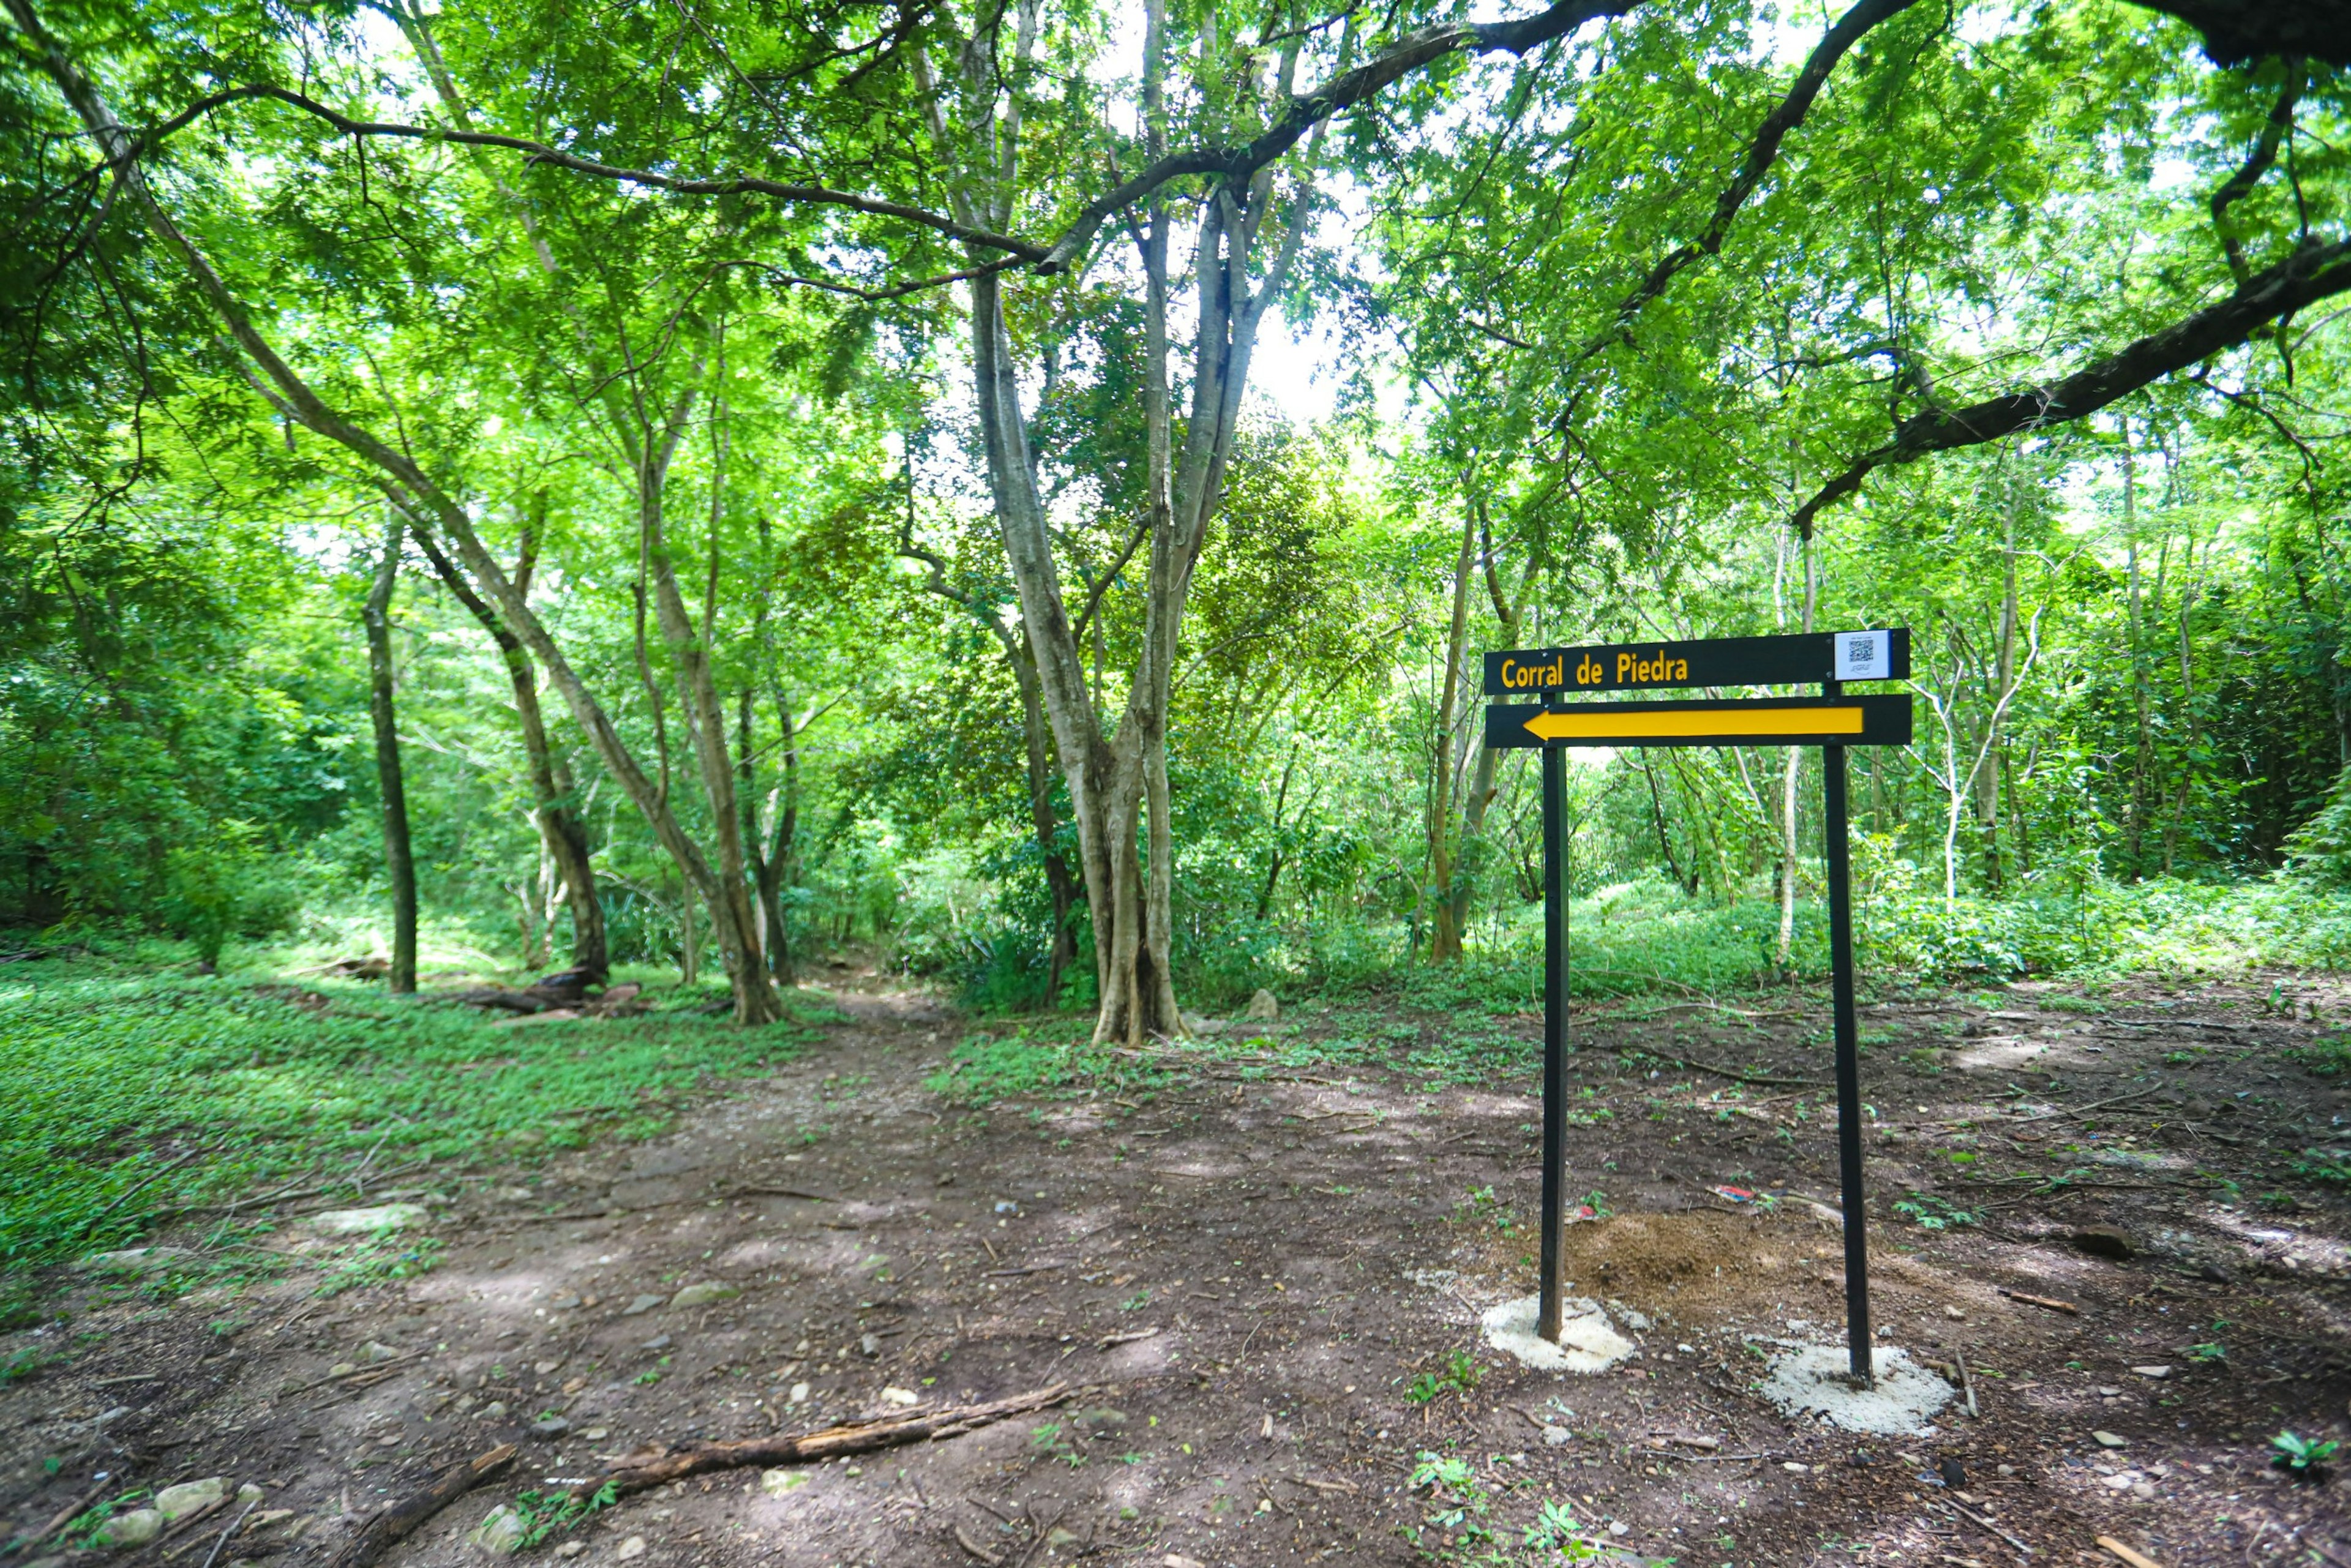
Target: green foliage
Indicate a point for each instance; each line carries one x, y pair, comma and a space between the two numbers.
1054, 1061
1928, 1212
2332, 1166
1458, 1374
109, 1086
546, 1513
2299, 1454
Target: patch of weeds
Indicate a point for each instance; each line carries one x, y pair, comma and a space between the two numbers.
1596, 1202
1048, 1061
1458, 1374
2301, 1456
1557, 1533
2061, 1002
1460, 1505
19, 1307
2213, 1351
2332, 1166
1928, 1212
380, 1259
2325, 1057
1135, 1303
1050, 1442
82, 1529
25, 1360
544, 1513
1481, 1204
109, 1086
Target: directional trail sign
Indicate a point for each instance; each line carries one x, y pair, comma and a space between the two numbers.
1541, 678
1797, 659
1751, 721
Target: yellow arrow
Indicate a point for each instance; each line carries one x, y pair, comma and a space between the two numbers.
1728, 722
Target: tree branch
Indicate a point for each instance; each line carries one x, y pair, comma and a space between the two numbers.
1762, 153
2313, 273
2258, 163
540, 152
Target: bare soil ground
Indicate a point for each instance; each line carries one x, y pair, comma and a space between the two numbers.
1242, 1272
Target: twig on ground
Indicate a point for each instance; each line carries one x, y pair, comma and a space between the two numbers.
1986, 1526
2059, 1113
2052, 1303
358, 1372
402, 1519
213, 1555
654, 1466
2140, 1560
1736, 1077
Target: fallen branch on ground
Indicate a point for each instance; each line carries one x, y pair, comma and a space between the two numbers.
2055, 1305
1696, 1065
2059, 1113
654, 1466
403, 1518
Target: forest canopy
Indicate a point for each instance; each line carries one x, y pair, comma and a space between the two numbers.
1025, 486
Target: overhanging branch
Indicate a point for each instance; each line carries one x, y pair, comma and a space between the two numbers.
2313, 273
540, 152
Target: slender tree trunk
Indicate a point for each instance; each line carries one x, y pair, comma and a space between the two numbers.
1989, 779
1445, 930
562, 830
1785, 949
1510, 612
2142, 754
399, 863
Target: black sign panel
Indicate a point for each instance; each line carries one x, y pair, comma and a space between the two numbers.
1798, 659
1738, 721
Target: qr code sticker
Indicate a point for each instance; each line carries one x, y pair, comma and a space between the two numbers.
1862, 655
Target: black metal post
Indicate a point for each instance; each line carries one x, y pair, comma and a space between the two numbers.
1848, 1062
1554, 1105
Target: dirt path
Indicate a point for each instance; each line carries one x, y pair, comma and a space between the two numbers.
1241, 1275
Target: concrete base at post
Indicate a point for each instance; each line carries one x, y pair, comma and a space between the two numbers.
1588, 1342
1817, 1380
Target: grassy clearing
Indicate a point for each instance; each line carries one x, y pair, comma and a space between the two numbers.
124, 1097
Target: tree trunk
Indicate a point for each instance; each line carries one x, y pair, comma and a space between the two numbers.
1044, 821
770, 831
727, 892
399, 863
1445, 927
562, 831
1989, 778
1785, 948
2142, 754
1118, 782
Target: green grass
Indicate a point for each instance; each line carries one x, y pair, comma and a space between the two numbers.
123, 1097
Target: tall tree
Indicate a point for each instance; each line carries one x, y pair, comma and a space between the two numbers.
398, 860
